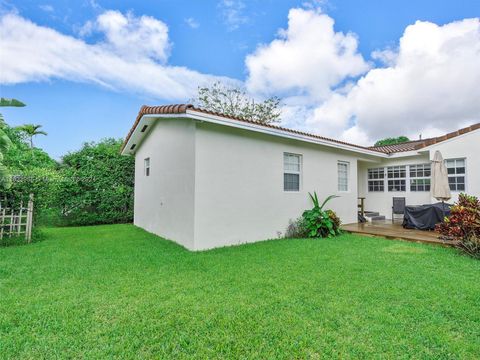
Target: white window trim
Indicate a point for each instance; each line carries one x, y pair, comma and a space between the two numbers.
410, 178
145, 166
383, 180
300, 177
341, 162
405, 178
464, 175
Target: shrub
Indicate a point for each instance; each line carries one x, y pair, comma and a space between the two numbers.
335, 219
463, 224
320, 223
296, 229
42, 183
98, 185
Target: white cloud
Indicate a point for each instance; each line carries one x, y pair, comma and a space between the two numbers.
429, 85
132, 56
94, 4
128, 35
232, 12
190, 21
308, 58
46, 8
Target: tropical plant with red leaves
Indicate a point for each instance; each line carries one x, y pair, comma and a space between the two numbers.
463, 224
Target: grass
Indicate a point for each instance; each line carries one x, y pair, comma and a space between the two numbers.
118, 292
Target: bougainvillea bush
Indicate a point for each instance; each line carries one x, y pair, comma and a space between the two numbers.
463, 225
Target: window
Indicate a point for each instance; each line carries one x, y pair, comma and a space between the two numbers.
147, 166
375, 179
291, 172
420, 177
396, 178
342, 167
456, 174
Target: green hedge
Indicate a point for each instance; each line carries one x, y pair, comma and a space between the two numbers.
93, 185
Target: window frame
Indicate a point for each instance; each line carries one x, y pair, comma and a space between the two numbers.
396, 171
146, 166
293, 172
377, 182
347, 176
456, 175
420, 177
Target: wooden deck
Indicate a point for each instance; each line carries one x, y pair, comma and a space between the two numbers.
389, 230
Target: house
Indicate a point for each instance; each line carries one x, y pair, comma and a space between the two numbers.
207, 180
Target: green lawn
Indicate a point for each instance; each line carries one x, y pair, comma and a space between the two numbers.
119, 292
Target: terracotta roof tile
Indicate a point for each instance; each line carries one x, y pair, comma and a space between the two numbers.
386, 149
405, 146
182, 109
419, 144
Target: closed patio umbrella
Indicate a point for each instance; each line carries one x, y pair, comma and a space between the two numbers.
440, 187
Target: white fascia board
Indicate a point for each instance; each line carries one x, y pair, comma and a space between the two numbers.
137, 137
407, 153
215, 119
458, 137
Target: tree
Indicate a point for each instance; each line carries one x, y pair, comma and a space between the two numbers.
20, 157
32, 130
33, 172
11, 102
235, 102
5, 142
392, 141
97, 184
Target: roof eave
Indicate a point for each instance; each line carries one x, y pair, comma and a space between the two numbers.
216, 119
198, 115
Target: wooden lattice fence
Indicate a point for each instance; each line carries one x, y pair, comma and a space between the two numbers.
16, 218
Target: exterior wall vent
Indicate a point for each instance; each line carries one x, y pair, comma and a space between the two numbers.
133, 146
144, 128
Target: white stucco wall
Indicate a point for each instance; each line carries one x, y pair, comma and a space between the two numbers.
212, 185
382, 201
164, 201
239, 185
466, 146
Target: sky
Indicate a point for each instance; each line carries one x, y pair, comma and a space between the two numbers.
352, 70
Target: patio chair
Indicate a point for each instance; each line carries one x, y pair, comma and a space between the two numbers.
398, 207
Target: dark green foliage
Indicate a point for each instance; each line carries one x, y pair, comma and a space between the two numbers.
318, 222
97, 185
44, 184
463, 224
91, 186
32, 172
20, 156
392, 141
5, 143
118, 292
11, 102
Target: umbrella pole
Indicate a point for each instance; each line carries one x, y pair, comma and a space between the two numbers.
443, 211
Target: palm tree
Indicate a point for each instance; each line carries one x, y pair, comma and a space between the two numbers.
31, 130
11, 102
